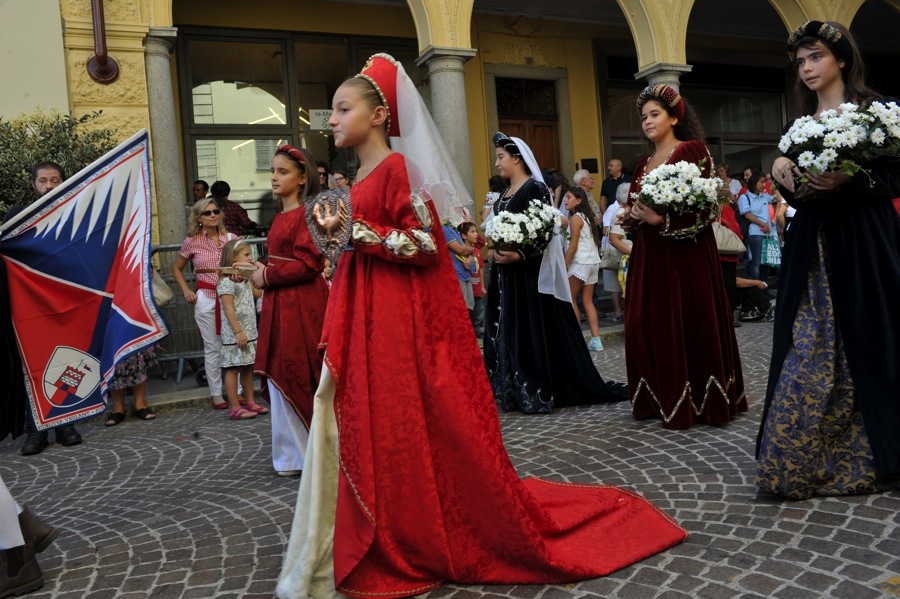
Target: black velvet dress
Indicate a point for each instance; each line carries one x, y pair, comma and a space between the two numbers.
534, 349
831, 422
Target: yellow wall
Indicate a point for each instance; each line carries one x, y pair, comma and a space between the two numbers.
123, 102
33, 66
318, 16
523, 42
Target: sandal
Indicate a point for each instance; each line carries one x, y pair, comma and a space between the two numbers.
144, 414
115, 418
241, 414
254, 407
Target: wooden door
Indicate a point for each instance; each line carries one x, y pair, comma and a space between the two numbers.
541, 135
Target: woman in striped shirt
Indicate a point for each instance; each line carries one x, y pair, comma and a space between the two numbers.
203, 249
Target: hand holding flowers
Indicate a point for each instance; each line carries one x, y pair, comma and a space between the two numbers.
831, 149
678, 187
516, 230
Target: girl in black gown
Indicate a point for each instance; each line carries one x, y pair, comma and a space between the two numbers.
831, 422
534, 349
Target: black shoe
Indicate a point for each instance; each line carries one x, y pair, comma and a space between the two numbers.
35, 443
68, 436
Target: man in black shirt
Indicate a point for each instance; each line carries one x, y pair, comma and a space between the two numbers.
616, 177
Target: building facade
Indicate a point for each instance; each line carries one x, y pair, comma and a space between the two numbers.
220, 83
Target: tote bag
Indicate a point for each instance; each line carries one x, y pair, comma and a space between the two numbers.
771, 252
727, 241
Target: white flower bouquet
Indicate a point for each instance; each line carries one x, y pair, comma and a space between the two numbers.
843, 140
679, 187
515, 230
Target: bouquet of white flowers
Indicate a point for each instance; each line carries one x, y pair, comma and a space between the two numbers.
845, 139
679, 187
514, 230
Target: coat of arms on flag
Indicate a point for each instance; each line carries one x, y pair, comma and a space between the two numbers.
78, 271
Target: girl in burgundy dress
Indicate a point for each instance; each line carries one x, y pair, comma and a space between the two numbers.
680, 349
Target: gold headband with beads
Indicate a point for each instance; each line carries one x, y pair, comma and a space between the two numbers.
823, 31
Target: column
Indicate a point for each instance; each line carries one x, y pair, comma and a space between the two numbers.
448, 104
664, 72
168, 183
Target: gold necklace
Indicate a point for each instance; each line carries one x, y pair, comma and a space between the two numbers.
649, 160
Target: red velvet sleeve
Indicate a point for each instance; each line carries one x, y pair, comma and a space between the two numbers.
305, 264
688, 224
408, 236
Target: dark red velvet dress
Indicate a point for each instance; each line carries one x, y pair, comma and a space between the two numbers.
293, 310
426, 491
680, 349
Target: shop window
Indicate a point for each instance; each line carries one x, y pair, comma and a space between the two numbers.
244, 93
236, 82
246, 165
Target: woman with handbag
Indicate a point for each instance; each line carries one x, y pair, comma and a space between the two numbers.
754, 206
610, 255
729, 261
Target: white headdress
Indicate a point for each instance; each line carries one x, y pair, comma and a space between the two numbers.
553, 278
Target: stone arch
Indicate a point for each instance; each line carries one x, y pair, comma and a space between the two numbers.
659, 30
161, 13
442, 23
795, 12
791, 12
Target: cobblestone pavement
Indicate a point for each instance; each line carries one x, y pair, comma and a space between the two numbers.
188, 506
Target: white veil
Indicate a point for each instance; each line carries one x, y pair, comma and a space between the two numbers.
429, 165
553, 278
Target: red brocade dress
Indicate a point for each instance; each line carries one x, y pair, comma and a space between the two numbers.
293, 310
409, 486
680, 349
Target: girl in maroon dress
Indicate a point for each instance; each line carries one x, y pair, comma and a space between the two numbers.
680, 349
293, 309
407, 483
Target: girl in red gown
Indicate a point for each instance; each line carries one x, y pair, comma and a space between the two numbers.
407, 483
293, 309
680, 349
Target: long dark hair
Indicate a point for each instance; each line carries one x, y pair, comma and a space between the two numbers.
584, 208
854, 72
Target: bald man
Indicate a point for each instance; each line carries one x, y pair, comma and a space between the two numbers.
616, 177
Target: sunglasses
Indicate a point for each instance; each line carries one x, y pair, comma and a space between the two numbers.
211, 212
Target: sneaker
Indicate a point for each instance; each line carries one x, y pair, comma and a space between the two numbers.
770, 315
595, 344
287, 473
752, 315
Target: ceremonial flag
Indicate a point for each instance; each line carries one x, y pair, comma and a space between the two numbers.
78, 269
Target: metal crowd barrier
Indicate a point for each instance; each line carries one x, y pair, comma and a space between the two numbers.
184, 345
